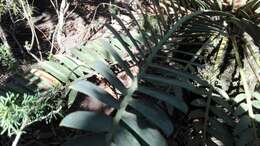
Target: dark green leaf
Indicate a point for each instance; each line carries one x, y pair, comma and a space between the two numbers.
106, 72
102, 46
88, 121
123, 137
179, 73
129, 34
150, 136
95, 91
57, 70
118, 58
154, 114
73, 65
122, 42
87, 58
172, 100
173, 82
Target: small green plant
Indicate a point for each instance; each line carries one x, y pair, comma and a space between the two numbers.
7, 5
17, 112
6, 57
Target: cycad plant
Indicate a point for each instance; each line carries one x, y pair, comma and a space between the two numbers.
141, 107
229, 36
139, 114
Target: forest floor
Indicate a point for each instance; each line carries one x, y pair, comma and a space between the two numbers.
84, 21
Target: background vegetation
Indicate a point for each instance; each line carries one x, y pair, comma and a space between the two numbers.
130, 73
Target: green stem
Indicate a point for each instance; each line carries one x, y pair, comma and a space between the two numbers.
205, 126
123, 106
20, 132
